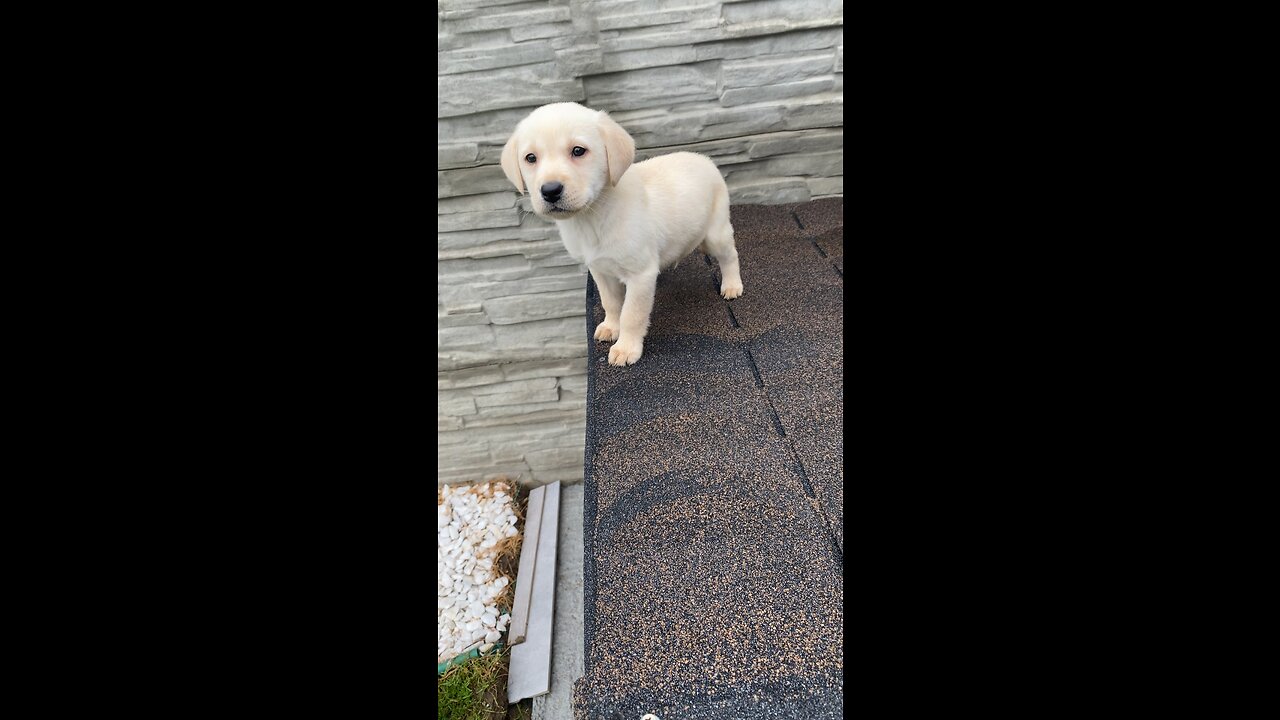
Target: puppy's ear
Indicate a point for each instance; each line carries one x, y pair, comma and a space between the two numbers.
511, 164
619, 147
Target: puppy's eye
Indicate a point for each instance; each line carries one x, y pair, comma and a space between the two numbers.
579, 151
531, 158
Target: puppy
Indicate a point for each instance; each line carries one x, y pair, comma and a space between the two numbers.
624, 222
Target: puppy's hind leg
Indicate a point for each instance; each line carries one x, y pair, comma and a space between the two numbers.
719, 245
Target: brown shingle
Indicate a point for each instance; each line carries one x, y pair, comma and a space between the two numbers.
714, 500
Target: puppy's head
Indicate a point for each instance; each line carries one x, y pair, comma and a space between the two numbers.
564, 155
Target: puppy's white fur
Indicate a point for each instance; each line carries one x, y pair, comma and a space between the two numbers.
624, 222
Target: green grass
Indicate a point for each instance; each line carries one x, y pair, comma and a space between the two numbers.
475, 690
522, 710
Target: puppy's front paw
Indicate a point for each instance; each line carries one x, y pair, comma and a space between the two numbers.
625, 353
607, 332
731, 290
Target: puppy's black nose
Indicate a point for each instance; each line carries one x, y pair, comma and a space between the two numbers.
551, 191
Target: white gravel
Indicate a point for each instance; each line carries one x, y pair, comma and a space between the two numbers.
469, 523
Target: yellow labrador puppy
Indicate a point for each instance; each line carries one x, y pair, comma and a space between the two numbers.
624, 224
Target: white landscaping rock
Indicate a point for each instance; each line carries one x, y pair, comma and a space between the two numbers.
469, 522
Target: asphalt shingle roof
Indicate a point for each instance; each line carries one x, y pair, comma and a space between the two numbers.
713, 541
